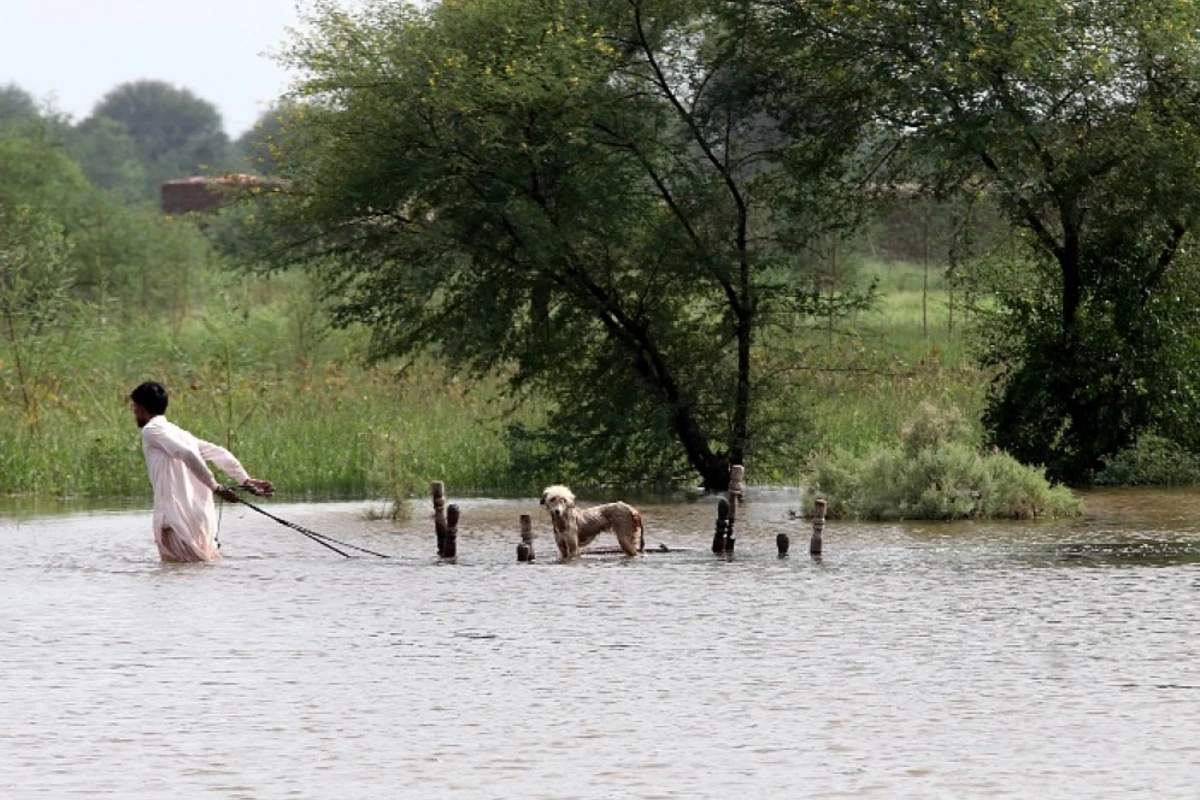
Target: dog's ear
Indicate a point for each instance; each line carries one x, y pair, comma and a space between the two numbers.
543, 500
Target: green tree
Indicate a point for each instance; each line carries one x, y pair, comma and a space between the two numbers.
258, 146
16, 104
150, 264
109, 157
36, 172
176, 133
1079, 119
601, 200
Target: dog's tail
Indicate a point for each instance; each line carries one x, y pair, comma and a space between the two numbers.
641, 531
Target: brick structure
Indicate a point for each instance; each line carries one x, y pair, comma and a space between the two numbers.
201, 193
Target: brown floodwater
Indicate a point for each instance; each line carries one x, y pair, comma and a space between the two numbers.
918, 660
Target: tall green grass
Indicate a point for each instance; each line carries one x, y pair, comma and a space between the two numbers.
304, 414
257, 370
867, 378
898, 410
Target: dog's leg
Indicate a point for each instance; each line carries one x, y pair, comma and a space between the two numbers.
572, 534
568, 542
572, 544
629, 532
560, 539
627, 537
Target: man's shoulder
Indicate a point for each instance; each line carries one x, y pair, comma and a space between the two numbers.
161, 426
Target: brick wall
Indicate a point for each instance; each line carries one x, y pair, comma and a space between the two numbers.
200, 194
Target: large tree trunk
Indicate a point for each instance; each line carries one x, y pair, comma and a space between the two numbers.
713, 468
741, 408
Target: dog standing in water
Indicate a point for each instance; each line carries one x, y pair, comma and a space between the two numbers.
575, 528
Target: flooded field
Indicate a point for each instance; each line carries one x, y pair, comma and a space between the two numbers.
912, 661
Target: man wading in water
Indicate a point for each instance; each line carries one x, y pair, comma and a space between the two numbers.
185, 517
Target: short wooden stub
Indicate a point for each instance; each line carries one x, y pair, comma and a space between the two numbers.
736, 473
525, 548
718, 543
450, 541
815, 544
439, 514
782, 542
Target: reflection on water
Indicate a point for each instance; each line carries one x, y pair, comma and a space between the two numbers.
1144, 554
914, 661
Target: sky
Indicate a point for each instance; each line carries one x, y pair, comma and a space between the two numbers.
72, 52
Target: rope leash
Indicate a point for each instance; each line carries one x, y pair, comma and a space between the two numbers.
319, 538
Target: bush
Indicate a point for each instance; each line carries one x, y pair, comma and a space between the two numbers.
1152, 461
934, 474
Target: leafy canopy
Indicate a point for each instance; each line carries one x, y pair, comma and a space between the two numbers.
175, 134
601, 200
1079, 119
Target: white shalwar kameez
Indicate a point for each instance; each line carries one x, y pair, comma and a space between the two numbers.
185, 517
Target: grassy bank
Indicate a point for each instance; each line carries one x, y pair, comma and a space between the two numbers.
257, 370
299, 409
914, 346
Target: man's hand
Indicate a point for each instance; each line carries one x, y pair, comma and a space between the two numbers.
226, 494
259, 488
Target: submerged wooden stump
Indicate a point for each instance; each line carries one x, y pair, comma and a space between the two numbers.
736, 473
450, 541
445, 522
727, 508
525, 548
718, 543
617, 551
815, 544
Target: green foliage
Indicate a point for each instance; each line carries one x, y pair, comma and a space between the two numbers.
129, 260
260, 145
645, 219
606, 205
16, 104
257, 366
174, 133
320, 428
1133, 365
1153, 460
109, 157
36, 314
934, 473
1078, 121
931, 428
139, 135
36, 172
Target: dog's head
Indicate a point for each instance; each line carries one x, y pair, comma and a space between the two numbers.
557, 500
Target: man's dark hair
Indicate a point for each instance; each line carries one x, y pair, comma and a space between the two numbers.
151, 396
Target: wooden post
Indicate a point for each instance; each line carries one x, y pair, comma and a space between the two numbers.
525, 548
718, 545
736, 473
439, 514
450, 541
814, 546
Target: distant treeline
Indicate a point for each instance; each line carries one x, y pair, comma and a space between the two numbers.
100, 179
141, 134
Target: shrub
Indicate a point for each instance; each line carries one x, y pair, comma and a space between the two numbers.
1152, 461
934, 473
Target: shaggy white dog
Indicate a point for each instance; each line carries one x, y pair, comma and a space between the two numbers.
575, 527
